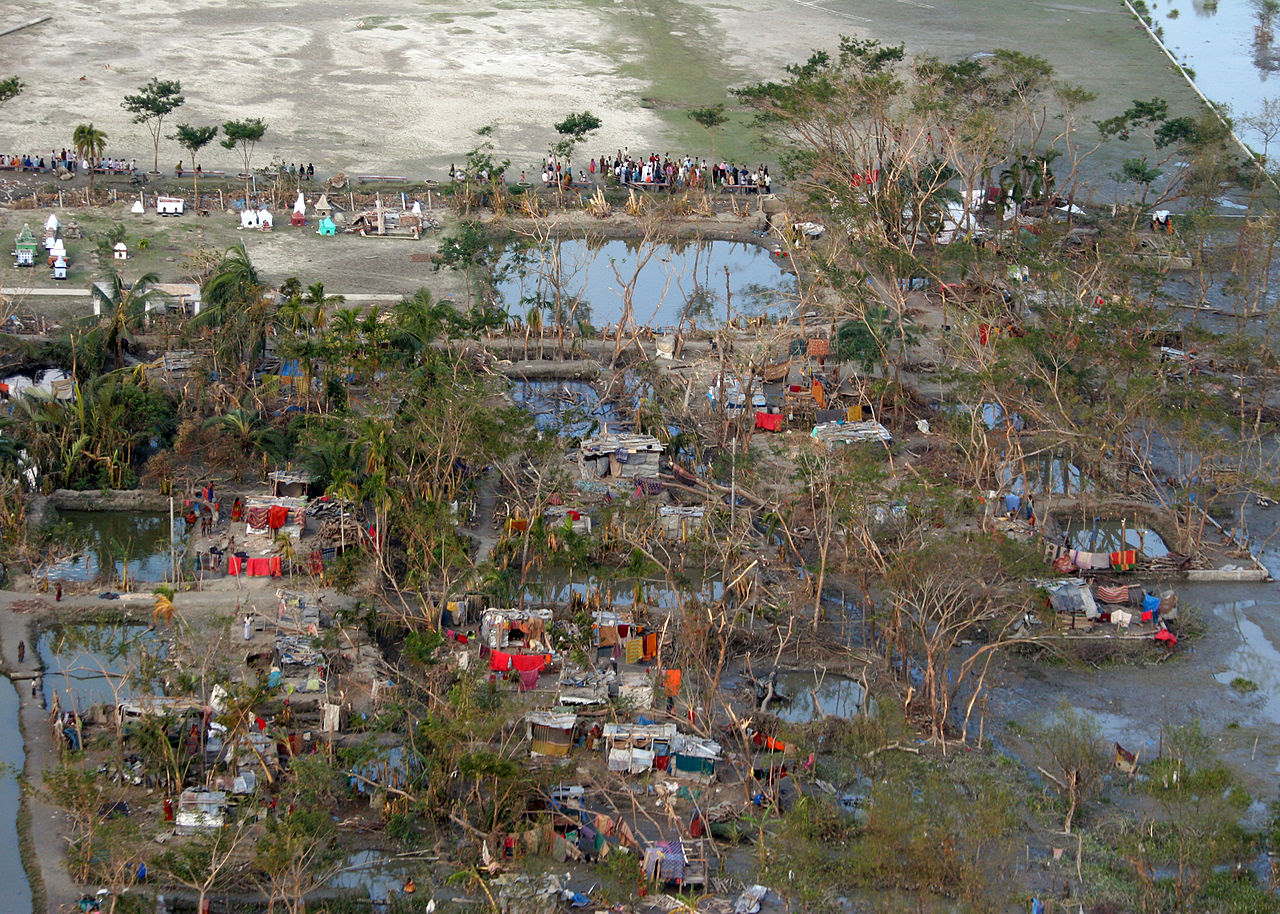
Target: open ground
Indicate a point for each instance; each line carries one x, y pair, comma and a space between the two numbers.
399, 86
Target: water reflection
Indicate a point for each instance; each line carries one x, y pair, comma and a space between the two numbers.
670, 284
90, 664
1222, 69
115, 543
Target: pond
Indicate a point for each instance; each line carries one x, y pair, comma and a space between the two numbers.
87, 664
372, 874
11, 757
114, 544
1112, 535
670, 282
815, 694
569, 407
1231, 45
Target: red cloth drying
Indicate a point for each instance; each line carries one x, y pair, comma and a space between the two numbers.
527, 662
770, 422
499, 661
1167, 637
233, 564
277, 516
528, 680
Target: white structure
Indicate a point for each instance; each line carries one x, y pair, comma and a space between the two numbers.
138, 209
300, 205
170, 206
120, 251
58, 249
248, 218
51, 225
264, 219
416, 209
60, 268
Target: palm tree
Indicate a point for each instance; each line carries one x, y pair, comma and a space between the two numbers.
234, 282
89, 143
251, 432
125, 307
320, 302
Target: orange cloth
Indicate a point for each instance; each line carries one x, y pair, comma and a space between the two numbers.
671, 681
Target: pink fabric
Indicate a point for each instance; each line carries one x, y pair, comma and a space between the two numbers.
528, 680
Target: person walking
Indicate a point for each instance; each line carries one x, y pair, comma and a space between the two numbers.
57, 593
22, 651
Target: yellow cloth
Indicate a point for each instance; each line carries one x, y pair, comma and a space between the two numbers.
633, 649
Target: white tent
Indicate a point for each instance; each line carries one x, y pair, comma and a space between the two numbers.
300, 207
137, 209
248, 218
51, 224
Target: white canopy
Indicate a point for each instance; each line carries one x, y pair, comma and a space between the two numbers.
300, 205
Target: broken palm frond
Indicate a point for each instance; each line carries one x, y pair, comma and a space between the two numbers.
597, 205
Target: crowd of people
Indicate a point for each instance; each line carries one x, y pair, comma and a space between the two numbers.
68, 160
659, 171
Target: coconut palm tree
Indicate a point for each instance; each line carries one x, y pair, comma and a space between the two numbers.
124, 307
251, 432
89, 143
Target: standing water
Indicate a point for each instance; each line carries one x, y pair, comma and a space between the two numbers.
1231, 47
114, 543
670, 282
90, 664
11, 757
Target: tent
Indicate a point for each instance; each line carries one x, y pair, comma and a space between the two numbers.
550, 733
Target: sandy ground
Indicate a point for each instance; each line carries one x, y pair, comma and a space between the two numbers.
399, 86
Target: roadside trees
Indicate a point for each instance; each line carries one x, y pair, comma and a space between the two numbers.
573, 130
193, 139
150, 105
245, 136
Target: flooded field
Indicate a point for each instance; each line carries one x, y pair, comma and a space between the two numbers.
1225, 678
670, 284
91, 664
1231, 47
116, 545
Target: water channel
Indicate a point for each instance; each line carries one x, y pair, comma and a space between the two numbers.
114, 545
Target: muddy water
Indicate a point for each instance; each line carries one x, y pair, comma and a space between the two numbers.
18, 893
688, 280
1134, 702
